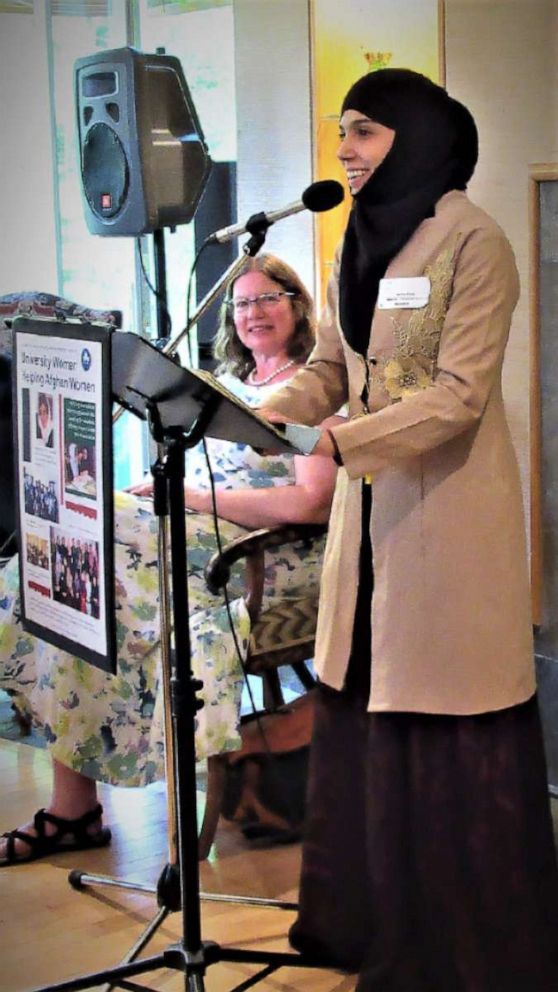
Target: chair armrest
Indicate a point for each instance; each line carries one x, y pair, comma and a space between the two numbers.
218, 568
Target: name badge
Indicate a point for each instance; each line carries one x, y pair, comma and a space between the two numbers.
404, 293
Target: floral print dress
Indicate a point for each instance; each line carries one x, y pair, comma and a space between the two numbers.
111, 727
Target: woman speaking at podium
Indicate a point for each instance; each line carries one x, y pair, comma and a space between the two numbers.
102, 727
428, 858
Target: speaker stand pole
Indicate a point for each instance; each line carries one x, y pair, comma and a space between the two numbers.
161, 287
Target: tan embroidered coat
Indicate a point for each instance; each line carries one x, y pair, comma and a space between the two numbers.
451, 624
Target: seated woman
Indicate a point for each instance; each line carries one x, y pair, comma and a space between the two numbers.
109, 728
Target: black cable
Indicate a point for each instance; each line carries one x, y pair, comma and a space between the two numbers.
227, 600
158, 296
189, 297
214, 504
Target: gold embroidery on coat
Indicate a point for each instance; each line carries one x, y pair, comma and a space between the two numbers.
412, 366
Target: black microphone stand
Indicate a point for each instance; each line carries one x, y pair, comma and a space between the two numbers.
179, 884
191, 955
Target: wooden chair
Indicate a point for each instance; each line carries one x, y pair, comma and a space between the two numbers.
281, 636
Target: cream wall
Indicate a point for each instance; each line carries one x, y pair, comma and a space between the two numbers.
274, 129
502, 61
26, 177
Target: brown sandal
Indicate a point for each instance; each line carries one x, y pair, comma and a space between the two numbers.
70, 835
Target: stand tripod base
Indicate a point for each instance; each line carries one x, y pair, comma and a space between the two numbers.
167, 891
168, 899
192, 965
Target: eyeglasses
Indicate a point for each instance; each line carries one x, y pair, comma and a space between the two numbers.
268, 300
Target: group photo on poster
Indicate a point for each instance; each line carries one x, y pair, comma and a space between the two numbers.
37, 550
75, 572
40, 495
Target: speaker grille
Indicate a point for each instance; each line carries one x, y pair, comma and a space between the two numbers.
105, 171
144, 161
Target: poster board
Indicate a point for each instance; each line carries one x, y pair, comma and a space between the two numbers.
64, 487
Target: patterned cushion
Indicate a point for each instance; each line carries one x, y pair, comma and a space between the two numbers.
45, 305
283, 635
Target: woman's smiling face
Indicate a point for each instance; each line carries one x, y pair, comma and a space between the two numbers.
364, 146
266, 330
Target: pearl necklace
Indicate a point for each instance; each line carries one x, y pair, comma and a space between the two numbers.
268, 378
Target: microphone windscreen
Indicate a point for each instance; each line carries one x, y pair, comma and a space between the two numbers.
323, 195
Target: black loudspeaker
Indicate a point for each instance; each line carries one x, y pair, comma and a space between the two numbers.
143, 158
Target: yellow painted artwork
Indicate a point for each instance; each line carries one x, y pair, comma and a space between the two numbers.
349, 40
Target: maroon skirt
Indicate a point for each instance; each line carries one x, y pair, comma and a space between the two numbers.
428, 859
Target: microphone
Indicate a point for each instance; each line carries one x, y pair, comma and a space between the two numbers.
323, 195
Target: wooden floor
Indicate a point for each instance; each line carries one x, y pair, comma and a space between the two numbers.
50, 932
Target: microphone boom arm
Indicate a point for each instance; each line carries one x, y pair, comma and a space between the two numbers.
208, 299
250, 248
322, 195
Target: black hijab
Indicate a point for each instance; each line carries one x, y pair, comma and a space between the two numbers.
434, 150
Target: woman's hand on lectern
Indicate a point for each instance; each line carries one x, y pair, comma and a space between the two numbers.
144, 488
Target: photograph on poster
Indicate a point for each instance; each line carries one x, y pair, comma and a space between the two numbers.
40, 496
44, 420
80, 449
75, 572
37, 551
